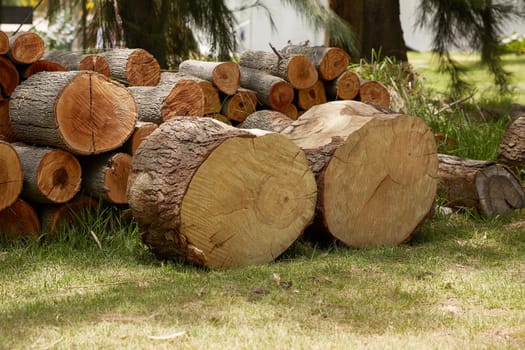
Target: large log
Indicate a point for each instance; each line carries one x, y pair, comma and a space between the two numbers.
376, 173
239, 105
296, 69
53, 217
272, 91
50, 175
6, 131
4, 43
26, 47
19, 221
106, 176
159, 103
77, 61
489, 187
329, 61
42, 66
268, 120
219, 196
224, 75
142, 130
315, 95
374, 92
9, 77
79, 111
11, 175
344, 87
511, 150
133, 66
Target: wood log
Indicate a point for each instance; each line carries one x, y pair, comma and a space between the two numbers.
374, 92
296, 69
488, 187
212, 102
6, 131
291, 111
238, 106
19, 220
345, 87
272, 91
376, 173
76, 61
142, 130
511, 150
53, 217
26, 48
50, 175
9, 77
135, 67
4, 43
79, 111
222, 118
232, 198
315, 95
268, 120
159, 103
11, 175
106, 176
224, 75
42, 66
329, 61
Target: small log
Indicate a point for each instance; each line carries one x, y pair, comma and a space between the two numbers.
212, 102
137, 67
488, 187
9, 77
315, 95
345, 87
238, 106
11, 175
50, 175
374, 92
42, 66
234, 198
376, 173
159, 103
224, 75
142, 130
296, 69
6, 131
511, 150
291, 111
4, 43
268, 120
272, 91
52, 217
26, 48
76, 61
222, 118
79, 111
19, 220
106, 176
329, 61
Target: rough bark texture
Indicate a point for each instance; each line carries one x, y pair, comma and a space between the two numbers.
19, 221
272, 91
486, 186
239, 105
75, 61
9, 77
345, 87
6, 131
52, 217
376, 172
315, 95
135, 66
268, 120
296, 69
79, 111
512, 147
11, 175
42, 66
26, 48
220, 196
374, 92
224, 75
4, 43
330, 62
50, 175
142, 130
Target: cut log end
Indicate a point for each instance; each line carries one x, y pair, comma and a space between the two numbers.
500, 191
186, 98
142, 130
116, 178
59, 176
4, 43
281, 96
315, 95
95, 63
11, 175
19, 221
6, 131
374, 92
239, 105
333, 63
345, 87
9, 77
26, 48
301, 72
226, 77
42, 66
142, 69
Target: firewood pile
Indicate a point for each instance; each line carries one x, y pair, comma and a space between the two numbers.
223, 163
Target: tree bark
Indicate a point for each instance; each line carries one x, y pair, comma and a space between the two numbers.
19, 221
142, 130
79, 111
239, 105
330, 62
6, 131
9, 77
315, 95
511, 150
268, 120
25, 48
345, 87
296, 69
4, 43
75, 61
486, 186
42, 66
225, 76
374, 92
193, 210
11, 175
136, 67
376, 173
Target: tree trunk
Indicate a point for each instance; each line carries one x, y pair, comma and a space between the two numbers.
268, 120
11, 175
296, 69
52, 217
79, 111
142, 130
195, 211
272, 91
376, 172
19, 221
315, 95
4, 43
376, 25
374, 92
9, 77
512, 146
159, 103
75, 61
137, 67
106, 176
42, 66
239, 105
330, 62
345, 87
6, 131
225, 76
25, 48
486, 186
